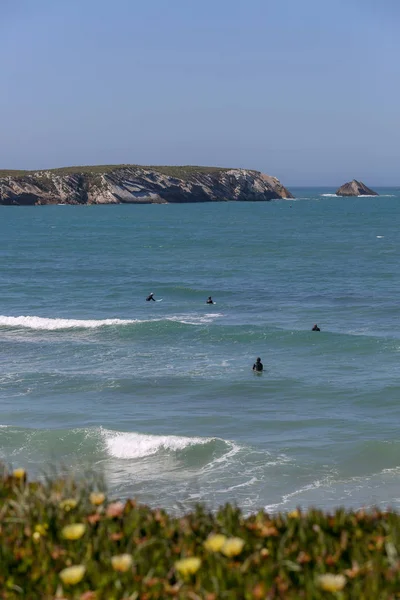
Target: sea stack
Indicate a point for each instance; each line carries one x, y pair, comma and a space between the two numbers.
355, 188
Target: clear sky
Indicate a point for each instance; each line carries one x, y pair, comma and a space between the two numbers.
306, 90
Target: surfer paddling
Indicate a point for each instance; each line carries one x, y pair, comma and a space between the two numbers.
210, 300
315, 328
150, 297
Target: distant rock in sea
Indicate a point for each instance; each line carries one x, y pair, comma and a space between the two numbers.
123, 184
355, 188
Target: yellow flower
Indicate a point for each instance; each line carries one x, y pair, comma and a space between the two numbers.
233, 546
36, 536
19, 474
41, 529
295, 514
68, 504
331, 583
214, 542
188, 566
72, 575
97, 498
74, 531
121, 562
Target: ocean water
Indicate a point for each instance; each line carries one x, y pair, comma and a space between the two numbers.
159, 398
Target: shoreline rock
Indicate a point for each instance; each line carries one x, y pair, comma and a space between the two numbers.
138, 185
355, 188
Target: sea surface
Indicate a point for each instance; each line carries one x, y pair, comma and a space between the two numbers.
159, 398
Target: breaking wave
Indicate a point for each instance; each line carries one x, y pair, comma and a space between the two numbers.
41, 323
53, 324
138, 445
101, 443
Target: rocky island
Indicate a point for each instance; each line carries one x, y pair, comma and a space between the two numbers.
116, 184
355, 188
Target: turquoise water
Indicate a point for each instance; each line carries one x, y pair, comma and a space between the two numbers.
160, 397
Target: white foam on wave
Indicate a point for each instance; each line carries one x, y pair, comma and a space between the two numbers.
138, 445
248, 483
288, 497
195, 319
360, 196
221, 461
42, 323
54, 324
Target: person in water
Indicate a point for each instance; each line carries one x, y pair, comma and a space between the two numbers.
315, 328
150, 297
258, 366
209, 300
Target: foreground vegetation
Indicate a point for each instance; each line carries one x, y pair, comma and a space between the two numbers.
60, 539
180, 172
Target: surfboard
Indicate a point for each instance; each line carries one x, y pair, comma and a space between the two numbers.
160, 300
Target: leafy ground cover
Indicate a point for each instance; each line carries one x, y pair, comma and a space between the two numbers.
180, 172
61, 539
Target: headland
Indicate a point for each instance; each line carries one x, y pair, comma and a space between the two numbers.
134, 184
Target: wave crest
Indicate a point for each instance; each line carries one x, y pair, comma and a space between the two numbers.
138, 445
49, 324
54, 324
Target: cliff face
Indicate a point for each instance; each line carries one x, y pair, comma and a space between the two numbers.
138, 185
355, 188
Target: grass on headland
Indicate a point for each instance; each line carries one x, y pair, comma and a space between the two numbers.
61, 539
180, 172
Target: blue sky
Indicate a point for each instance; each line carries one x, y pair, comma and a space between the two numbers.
306, 90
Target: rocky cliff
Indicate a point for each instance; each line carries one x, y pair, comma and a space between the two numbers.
137, 185
355, 188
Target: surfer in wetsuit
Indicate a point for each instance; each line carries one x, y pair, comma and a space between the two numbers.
315, 328
150, 297
258, 366
209, 300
